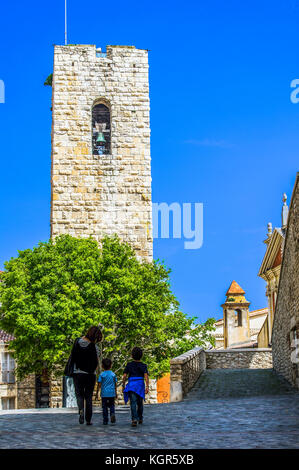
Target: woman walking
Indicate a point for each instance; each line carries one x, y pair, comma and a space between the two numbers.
85, 360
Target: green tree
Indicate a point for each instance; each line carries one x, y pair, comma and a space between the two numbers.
49, 80
53, 293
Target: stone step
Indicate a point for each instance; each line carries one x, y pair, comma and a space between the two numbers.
237, 383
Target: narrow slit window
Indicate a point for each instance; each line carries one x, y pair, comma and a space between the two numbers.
101, 130
239, 317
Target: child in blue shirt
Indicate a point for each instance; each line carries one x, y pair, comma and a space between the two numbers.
107, 383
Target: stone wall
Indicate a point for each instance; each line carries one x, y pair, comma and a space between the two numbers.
150, 398
56, 393
239, 359
26, 396
285, 333
185, 371
94, 195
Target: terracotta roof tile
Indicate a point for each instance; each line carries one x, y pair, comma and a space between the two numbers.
234, 288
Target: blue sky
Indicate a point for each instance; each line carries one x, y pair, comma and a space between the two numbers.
224, 131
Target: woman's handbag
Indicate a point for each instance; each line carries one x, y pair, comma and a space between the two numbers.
69, 368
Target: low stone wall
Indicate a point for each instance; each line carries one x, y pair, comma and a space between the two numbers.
150, 398
185, 371
56, 393
259, 358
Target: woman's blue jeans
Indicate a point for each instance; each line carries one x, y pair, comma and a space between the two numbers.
136, 403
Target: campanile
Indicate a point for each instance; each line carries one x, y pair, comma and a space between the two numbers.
101, 169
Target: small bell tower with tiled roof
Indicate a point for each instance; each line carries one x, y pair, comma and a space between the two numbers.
236, 327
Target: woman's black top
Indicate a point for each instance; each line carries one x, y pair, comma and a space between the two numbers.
86, 358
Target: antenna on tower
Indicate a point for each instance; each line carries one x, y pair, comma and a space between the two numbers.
65, 22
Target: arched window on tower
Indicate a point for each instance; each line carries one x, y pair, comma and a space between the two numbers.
101, 130
239, 317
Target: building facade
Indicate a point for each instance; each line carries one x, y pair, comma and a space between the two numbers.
285, 335
14, 394
101, 168
256, 321
270, 272
8, 388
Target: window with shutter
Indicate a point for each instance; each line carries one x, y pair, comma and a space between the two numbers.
4, 368
11, 370
8, 403
7, 368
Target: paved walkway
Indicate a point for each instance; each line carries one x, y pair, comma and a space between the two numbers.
216, 414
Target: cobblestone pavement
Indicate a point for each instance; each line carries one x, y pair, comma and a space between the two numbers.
217, 413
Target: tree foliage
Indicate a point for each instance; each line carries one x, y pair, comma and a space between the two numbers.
49, 80
53, 293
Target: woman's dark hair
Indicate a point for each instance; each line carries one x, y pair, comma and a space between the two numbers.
106, 363
94, 334
137, 353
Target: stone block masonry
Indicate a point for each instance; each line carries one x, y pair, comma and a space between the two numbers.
285, 334
239, 359
26, 393
96, 195
185, 371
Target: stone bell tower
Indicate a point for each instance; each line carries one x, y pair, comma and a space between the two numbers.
236, 317
101, 170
